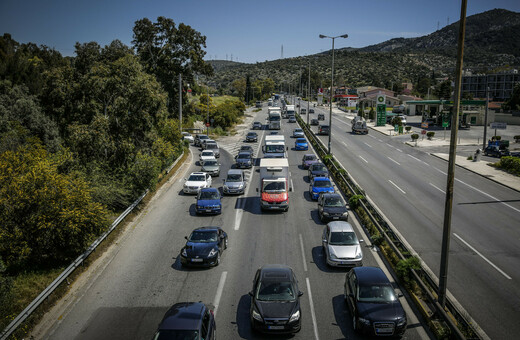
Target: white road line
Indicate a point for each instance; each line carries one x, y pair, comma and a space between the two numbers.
436, 187
368, 144
363, 159
313, 314
395, 185
399, 150
220, 289
380, 140
417, 159
396, 162
439, 170
390, 145
303, 254
488, 195
345, 144
485, 259
372, 136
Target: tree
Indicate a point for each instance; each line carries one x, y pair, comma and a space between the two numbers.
513, 103
249, 90
443, 90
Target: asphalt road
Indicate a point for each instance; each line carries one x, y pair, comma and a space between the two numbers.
126, 295
409, 185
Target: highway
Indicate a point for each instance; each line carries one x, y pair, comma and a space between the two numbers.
125, 294
408, 185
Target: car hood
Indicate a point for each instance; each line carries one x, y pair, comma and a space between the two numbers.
320, 173
195, 183
344, 252
233, 184
277, 309
243, 160
199, 249
335, 210
380, 311
322, 189
302, 143
309, 162
210, 168
208, 202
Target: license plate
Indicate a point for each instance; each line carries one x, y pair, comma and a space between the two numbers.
384, 330
196, 260
208, 210
276, 327
335, 218
232, 191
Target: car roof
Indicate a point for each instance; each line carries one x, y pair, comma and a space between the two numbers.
275, 272
301, 139
243, 153
208, 189
251, 133
316, 179
368, 275
198, 173
183, 315
330, 194
339, 226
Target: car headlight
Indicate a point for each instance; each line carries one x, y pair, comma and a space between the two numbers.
257, 316
184, 253
200, 207
295, 316
213, 252
333, 256
226, 187
359, 254
401, 322
325, 213
364, 321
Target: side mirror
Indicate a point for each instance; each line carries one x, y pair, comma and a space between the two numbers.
250, 293
400, 295
324, 240
257, 190
186, 237
287, 148
300, 294
361, 241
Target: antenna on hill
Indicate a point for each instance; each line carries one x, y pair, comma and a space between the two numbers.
438, 23
282, 52
226, 57
231, 56
448, 21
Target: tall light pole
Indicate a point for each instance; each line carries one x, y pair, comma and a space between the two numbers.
332, 83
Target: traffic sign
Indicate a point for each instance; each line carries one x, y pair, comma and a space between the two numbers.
207, 124
424, 125
499, 126
423, 132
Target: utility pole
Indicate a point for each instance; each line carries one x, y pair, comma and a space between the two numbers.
485, 118
446, 231
180, 102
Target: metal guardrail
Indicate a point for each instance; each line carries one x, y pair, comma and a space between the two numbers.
72, 267
422, 278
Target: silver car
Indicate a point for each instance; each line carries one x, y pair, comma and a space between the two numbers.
213, 147
212, 167
341, 245
235, 182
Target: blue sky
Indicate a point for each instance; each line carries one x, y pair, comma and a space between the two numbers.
251, 31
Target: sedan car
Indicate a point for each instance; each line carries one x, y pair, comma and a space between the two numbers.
208, 201
275, 300
292, 119
244, 160
301, 144
187, 320
318, 170
252, 137
211, 166
206, 155
311, 110
321, 116
341, 245
314, 121
235, 182
324, 130
204, 247
332, 207
257, 126
303, 111
320, 185
308, 159
246, 148
373, 304
198, 139
196, 181
298, 133
187, 136
213, 147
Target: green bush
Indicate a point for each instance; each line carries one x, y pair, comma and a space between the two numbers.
415, 137
430, 134
510, 164
372, 113
397, 121
404, 266
353, 201
407, 128
517, 138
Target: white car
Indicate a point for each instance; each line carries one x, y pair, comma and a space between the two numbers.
403, 119
195, 182
298, 133
205, 142
187, 136
206, 155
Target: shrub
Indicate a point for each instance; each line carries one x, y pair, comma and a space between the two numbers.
430, 134
397, 121
517, 138
407, 128
415, 137
372, 113
353, 201
404, 266
510, 164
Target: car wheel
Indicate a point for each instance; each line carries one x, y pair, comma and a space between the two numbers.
321, 216
218, 259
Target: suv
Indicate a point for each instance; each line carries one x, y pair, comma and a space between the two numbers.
373, 304
321, 116
187, 320
257, 125
332, 207
198, 139
303, 111
235, 182
324, 130
213, 147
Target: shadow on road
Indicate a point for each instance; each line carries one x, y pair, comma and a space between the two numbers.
316, 217
342, 316
318, 257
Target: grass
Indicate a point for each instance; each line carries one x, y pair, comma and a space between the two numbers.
219, 100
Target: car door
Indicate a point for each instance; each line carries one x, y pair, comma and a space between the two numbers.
320, 205
352, 290
208, 180
325, 240
206, 332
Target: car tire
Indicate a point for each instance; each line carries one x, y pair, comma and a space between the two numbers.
321, 216
218, 260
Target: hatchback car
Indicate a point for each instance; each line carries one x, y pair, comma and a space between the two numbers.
301, 144
298, 133
235, 182
324, 130
208, 201
196, 181
292, 119
204, 247
252, 137
321, 116
211, 166
206, 155
187, 136
187, 320
303, 111
318, 170
257, 126
320, 185
311, 110
314, 121
275, 300
309, 159
332, 207
341, 245
373, 304
244, 160
246, 148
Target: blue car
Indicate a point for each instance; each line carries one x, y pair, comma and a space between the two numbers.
319, 185
301, 144
208, 201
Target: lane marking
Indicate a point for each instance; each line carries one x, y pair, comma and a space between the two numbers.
303, 253
220, 289
368, 144
395, 185
363, 159
488, 195
313, 314
485, 259
442, 172
399, 150
436, 187
396, 162
380, 140
390, 145
345, 144
372, 136
417, 159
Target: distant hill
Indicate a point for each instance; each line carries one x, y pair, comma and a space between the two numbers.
223, 64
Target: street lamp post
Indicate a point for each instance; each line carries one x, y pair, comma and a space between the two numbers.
331, 83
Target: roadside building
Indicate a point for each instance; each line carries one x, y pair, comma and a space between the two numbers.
500, 85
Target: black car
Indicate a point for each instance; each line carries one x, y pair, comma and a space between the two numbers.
318, 170
323, 130
204, 247
252, 137
257, 125
311, 110
495, 151
246, 148
187, 320
321, 116
314, 121
373, 304
275, 300
244, 160
331, 207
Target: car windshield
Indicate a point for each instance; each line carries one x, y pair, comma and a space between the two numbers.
234, 178
251, 134
274, 148
275, 291
376, 294
274, 186
211, 146
197, 178
245, 155
203, 137
343, 238
333, 202
209, 195
176, 334
210, 163
246, 148
298, 130
207, 153
301, 140
319, 167
322, 184
203, 236
310, 158
274, 118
